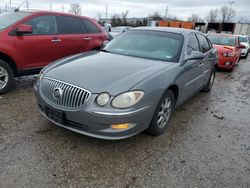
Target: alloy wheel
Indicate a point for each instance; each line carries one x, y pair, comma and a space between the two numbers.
211, 81
164, 113
4, 77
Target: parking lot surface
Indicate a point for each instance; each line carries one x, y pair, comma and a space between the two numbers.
206, 145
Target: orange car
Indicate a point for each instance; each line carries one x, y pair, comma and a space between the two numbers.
229, 49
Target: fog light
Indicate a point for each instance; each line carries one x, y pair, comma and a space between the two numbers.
120, 126
228, 63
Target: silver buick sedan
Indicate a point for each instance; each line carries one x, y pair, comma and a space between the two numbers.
132, 85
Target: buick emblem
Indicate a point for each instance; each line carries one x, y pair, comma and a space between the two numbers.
57, 93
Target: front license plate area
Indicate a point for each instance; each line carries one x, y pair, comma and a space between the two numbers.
55, 115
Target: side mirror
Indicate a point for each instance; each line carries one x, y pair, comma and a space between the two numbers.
195, 55
242, 46
24, 29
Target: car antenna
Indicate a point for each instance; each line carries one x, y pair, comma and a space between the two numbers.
17, 9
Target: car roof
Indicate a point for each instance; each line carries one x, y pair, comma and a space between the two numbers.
168, 29
223, 34
37, 12
243, 36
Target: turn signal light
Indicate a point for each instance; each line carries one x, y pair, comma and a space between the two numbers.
120, 126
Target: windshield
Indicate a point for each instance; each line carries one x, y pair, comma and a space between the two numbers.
243, 39
148, 44
9, 18
117, 29
222, 40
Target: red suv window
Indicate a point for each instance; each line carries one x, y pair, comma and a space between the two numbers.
70, 25
43, 25
90, 26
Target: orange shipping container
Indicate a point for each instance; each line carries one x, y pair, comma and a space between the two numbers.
187, 25
163, 23
174, 24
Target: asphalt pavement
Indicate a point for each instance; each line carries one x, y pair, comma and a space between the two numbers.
206, 145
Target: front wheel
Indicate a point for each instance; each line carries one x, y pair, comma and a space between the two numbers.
6, 77
210, 82
162, 114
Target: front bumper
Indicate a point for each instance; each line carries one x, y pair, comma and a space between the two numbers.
244, 52
94, 121
226, 63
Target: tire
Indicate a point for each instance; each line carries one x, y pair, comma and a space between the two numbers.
157, 127
6, 77
231, 69
238, 62
210, 82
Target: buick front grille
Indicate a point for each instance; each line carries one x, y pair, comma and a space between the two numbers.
61, 94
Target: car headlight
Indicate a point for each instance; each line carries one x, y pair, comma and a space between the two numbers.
39, 79
126, 100
41, 76
103, 99
229, 54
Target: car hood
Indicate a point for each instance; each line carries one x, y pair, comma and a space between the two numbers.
245, 44
105, 72
222, 48
114, 34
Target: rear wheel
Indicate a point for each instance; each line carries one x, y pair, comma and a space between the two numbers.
210, 82
6, 77
162, 114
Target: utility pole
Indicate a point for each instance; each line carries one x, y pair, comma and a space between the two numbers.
231, 4
27, 4
50, 6
166, 12
10, 5
106, 13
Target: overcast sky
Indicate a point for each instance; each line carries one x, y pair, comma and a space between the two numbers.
140, 8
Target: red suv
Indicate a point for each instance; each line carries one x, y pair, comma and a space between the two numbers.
31, 40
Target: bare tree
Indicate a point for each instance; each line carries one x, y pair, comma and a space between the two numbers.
173, 17
124, 17
116, 20
244, 20
195, 18
212, 15
156, 16
75, 9
227, 14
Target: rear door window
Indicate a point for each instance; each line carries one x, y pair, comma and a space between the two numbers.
70, 25
193, 44
43, 25
204, 45
91, 28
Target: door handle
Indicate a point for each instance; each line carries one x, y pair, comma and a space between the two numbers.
87, 38
56, 40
